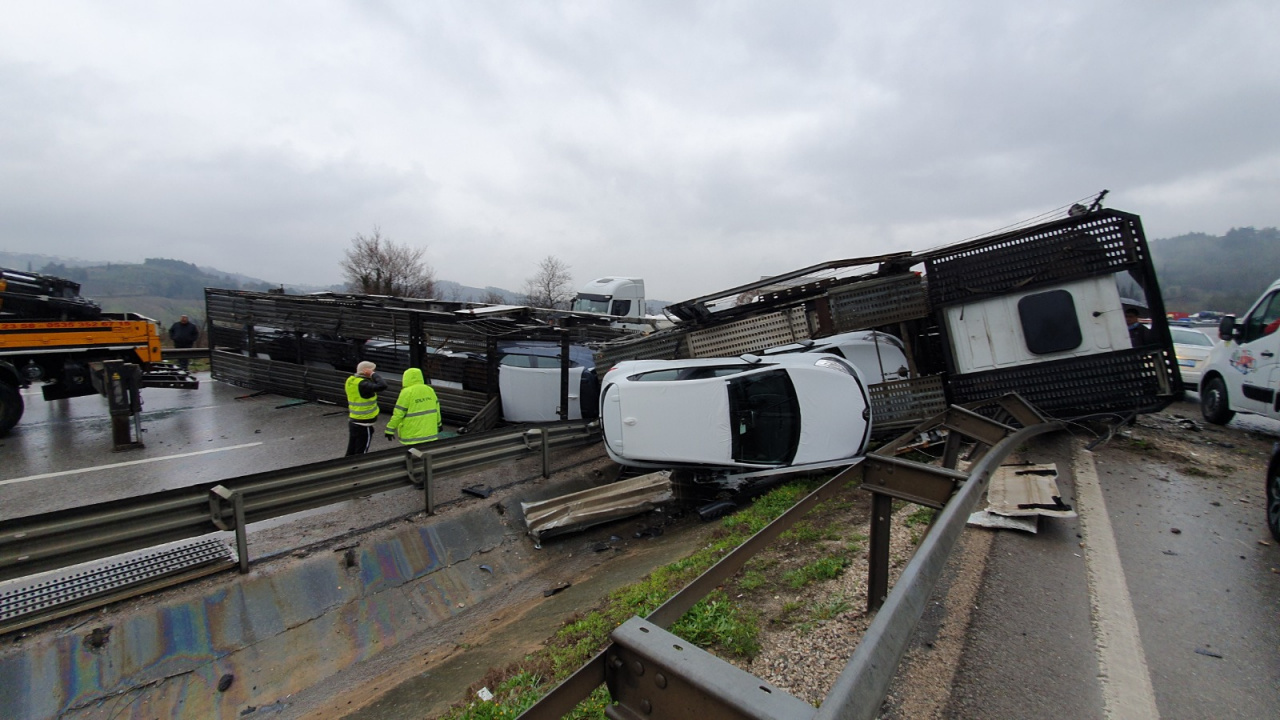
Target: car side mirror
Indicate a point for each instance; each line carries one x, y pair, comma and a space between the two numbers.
1227, 327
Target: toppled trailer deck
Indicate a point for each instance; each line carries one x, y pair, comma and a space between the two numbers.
1036, 311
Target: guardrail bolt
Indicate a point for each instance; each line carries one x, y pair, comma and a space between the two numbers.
646, 706
616, 662
660, 680
637, 668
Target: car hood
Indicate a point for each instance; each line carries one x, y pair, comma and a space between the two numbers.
832, 425
638, 418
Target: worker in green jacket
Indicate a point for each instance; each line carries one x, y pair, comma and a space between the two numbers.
417, 413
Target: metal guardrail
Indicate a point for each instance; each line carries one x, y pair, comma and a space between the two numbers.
646, 679
37, 543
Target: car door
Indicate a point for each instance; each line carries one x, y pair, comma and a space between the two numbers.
1256, 358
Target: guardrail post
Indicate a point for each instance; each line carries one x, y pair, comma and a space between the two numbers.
218, 495
428, 478
546, 453
878, 556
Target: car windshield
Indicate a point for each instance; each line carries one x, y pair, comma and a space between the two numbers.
1191, 337
764, 414
693, 373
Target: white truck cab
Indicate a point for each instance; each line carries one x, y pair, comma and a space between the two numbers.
1243, 373
617, 296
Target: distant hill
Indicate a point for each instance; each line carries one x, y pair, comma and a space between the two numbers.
1210, 272
164, 289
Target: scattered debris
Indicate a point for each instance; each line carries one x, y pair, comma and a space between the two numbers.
1175, 531
1169, 552
487, 569
583, 509
988, 519
651, 531
484, 694
556, 589
225, 681
600, 547
480, 491
717, 509
98, 637
1210, 653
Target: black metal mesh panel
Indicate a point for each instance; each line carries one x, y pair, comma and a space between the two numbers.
659, 346
882, 301
1122, 381
906, 403
1098, 243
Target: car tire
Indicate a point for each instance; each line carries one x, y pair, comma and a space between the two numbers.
11, 407
1273, 495
1213, 402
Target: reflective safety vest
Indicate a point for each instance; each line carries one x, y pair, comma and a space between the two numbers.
417, 413
360, 408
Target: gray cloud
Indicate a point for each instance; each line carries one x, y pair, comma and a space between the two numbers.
700, 145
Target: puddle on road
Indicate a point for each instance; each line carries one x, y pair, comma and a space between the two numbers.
431, 692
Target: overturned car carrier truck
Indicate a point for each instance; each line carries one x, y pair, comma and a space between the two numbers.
1036, 311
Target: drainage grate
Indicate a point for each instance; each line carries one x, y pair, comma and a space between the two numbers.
65, 588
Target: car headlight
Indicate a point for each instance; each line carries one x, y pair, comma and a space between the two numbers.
833, 364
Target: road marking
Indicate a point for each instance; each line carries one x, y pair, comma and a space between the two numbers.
1126, 681
125, 464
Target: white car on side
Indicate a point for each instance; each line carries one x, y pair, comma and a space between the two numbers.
747, 415
880, 357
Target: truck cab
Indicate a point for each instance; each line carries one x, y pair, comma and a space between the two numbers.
616, 296
1242, 374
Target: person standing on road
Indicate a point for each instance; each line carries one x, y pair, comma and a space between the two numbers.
362, 406
417, 413
184, 334
1139, 334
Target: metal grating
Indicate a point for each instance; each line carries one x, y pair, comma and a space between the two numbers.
750, 334
312, 383
1119, 382
906, 403
1094, 244
659, 346
67, 588
877, 302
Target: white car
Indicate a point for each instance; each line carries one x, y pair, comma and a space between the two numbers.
1191, 347
743, 415
880, 357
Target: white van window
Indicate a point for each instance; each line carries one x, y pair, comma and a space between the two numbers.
1049, 322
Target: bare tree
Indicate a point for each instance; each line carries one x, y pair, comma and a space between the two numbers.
550, 287
375, 265
493, 297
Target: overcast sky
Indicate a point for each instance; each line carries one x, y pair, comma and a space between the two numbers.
699, 145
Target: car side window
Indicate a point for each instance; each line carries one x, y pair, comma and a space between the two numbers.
1262, 321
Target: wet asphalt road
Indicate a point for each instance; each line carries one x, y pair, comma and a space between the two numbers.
1201, 573
60, 455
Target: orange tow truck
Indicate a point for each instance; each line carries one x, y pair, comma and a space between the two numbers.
52, 336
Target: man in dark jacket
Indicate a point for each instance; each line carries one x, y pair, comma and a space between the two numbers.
184, 334
1139, 334
362, 406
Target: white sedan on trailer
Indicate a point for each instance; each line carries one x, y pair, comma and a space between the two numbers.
746, 415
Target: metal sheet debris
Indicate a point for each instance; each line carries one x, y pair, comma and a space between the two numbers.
580, 510
1024, 490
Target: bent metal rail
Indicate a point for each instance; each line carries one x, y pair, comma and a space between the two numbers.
49, 541
652, 673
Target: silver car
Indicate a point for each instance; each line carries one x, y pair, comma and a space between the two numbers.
742, 414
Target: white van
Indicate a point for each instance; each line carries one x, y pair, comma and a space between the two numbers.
1243, 373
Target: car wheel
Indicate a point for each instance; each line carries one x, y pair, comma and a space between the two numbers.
11, 407
1273, 496
1213, 402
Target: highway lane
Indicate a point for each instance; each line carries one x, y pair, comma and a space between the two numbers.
61, 454
1182, 621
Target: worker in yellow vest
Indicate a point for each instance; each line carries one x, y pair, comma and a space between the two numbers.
362, 406
417, 413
